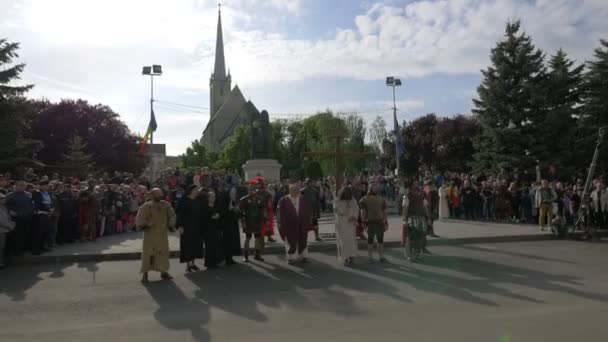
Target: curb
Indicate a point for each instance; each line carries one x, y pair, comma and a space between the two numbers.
274, 249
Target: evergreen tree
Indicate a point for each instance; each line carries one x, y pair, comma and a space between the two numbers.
76, 162
16, 150
510, 106
10, 73
594, 112
563, 96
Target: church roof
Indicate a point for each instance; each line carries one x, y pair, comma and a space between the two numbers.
233, 105
246, 111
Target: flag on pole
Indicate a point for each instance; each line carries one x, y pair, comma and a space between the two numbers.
399, 143
151, 128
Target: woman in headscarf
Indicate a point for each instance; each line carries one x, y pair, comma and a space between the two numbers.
347, 212
190, 226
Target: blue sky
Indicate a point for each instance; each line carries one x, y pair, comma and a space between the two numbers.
288, 56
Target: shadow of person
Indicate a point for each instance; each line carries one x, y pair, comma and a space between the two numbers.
16, 281
491, 272
241, 290
177, 312
426, 281
514, 254
351, 278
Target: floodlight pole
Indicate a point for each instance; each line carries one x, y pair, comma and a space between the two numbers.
395, 82
151, 104
152, 70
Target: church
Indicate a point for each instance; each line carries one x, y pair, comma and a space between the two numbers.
228, 107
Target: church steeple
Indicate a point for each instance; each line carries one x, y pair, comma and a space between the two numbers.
220, 83
220, 64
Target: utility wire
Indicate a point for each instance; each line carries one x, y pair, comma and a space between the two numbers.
181, 110
180, 104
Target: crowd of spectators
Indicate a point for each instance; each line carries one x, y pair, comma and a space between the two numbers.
40, 213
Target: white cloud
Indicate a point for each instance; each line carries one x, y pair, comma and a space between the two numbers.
95, 48
292, 6
418, 39
422, 38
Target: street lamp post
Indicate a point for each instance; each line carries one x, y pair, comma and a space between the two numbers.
153, 70
392, 81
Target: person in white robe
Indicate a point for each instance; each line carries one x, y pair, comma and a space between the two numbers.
347, 211
444, 206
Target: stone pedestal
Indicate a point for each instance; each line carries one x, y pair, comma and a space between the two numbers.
270, 169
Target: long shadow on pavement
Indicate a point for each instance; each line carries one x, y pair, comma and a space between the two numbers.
242, 290
178, 312
514, 254
22, 280
482, 277
491, 272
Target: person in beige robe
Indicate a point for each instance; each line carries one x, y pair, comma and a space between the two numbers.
157, 219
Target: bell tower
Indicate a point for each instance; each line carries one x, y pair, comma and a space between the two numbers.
220, 82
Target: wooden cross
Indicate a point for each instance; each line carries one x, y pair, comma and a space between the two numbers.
338, 155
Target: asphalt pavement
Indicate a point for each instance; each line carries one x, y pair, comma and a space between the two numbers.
526, 291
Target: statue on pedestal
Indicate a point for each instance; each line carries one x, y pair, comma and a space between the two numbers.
261, 162
261, 136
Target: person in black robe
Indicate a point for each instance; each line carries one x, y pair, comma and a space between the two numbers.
213, 217
231, 236
190, 223
68, 221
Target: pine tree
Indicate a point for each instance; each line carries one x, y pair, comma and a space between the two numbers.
76, 162
510, 105
16, 150
563, 100
594, 112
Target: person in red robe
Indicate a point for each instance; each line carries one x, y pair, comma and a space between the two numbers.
294, 216
88, 210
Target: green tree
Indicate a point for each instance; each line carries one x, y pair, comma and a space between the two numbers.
419, 140
76, 162
108, 139
16, 149
237, 150
594, 112
197, 156
377, 133
313, 170
453, 143
279, 138
563, 96
355, 142
510, 106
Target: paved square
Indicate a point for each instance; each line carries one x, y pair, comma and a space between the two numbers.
525, 291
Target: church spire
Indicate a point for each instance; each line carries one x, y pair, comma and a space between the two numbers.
220, 64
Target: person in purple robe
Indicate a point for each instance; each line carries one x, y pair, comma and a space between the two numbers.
294, 216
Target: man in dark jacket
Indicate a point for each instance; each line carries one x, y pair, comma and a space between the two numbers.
67, 228
468, 200
43, 210
21, 209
